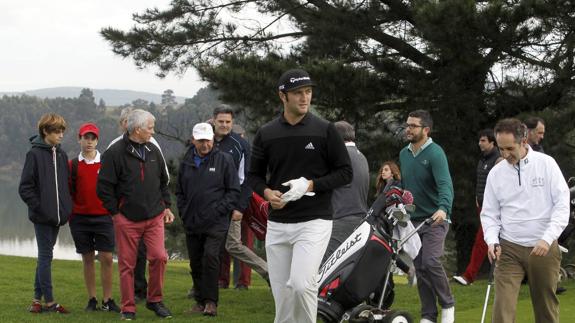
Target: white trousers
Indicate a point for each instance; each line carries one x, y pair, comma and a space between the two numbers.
294, 252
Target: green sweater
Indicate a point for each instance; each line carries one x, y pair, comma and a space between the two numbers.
427, 177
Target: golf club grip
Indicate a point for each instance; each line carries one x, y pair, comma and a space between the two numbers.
402, 265
492, 267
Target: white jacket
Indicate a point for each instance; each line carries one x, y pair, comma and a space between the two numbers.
525, 203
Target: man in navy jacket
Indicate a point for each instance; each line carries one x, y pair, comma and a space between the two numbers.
207, 190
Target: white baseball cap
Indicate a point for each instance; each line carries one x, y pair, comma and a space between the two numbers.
203, 130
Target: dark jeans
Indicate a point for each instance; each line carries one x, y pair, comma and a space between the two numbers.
341, 229
140, 283
46, 236
204, 253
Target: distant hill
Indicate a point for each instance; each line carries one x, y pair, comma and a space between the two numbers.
111, 97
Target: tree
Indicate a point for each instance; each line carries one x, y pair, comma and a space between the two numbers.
470, 62
168, 98
140, 104
102, 104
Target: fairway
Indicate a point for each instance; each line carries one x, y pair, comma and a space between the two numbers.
254, 305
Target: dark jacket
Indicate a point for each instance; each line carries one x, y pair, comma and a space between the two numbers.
239, 148
486, 162
44, 184
129, 184
207, 194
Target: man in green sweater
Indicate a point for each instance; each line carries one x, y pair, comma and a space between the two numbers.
425, 172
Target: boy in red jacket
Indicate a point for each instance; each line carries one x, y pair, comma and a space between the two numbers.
91, 224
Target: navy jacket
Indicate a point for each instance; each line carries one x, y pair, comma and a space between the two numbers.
239, 148
134, 185
486, 162
207, 194
44, 184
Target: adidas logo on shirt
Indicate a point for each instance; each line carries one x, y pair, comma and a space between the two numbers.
310, 146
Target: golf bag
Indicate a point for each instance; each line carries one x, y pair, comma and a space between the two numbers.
256, 216
360, 266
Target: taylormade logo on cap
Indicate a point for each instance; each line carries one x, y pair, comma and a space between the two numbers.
293, 79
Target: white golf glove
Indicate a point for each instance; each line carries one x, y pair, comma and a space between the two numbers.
298, 188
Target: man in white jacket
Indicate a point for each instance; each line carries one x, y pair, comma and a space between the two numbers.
525, 209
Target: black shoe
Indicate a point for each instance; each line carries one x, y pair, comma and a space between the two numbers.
128, 316
560, 290
241, 287
160, 309
110, 306
92, 305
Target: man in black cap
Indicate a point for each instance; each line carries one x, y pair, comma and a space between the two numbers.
307, 159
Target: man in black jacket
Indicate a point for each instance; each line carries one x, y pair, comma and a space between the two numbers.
44, 189
207, 190
132, 185
306, 159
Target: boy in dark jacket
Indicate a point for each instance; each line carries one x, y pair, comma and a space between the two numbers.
91, 224
208, 189
44, 188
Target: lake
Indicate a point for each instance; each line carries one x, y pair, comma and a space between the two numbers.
17, 232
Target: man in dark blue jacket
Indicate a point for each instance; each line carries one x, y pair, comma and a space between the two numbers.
44, 188
207, 190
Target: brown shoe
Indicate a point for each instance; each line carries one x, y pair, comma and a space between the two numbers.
196, 309
211, 309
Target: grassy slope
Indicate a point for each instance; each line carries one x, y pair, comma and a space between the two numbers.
255, 305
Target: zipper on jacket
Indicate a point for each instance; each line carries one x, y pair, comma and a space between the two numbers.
54, 159
518, 169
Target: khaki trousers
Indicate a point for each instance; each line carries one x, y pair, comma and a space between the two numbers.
542, 274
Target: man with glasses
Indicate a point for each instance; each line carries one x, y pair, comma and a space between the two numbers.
425, 172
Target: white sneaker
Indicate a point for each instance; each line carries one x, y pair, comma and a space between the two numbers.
461, 280
448, 315
426, 321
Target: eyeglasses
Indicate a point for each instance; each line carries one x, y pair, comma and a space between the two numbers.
412, 126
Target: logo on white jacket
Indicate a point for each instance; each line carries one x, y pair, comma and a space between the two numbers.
538, 181
310, 146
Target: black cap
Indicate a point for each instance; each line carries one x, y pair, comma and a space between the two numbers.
294, 79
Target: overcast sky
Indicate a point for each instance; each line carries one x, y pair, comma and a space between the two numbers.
52, 43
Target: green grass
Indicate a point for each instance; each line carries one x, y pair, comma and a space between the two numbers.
254, 305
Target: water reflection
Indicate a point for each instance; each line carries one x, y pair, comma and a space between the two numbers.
27, 248
17, 232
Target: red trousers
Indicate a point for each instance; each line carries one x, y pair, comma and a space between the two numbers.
245, 278
478, 254
128, 235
